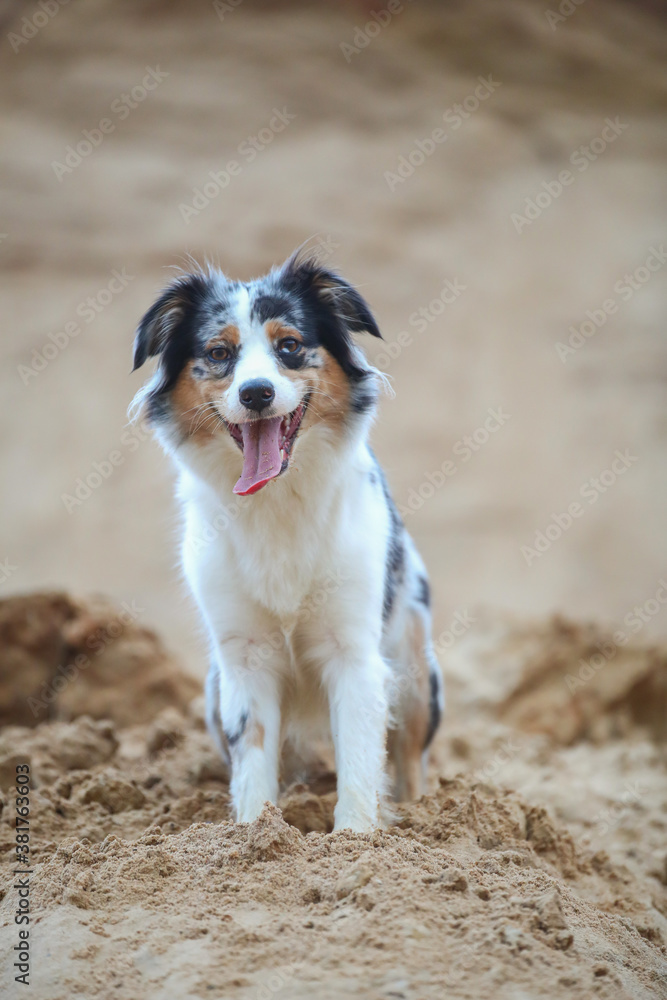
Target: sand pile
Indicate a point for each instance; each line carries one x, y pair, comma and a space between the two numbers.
60, 658
499, 883
569, 680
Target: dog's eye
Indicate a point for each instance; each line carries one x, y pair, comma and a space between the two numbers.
219, 353
289, 345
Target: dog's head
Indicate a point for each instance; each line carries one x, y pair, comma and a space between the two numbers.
256, 365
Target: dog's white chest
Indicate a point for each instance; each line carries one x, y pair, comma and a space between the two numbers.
273, 571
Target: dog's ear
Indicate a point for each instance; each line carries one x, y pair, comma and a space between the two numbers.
167, 320
332, 291
337, 308
339, 295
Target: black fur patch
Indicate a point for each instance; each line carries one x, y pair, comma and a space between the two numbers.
219, 369
332, 308
434, 709
157, 407
424, 591
266, 307
169, 325
233, 738
362, 402
395, 564
293, 361
169, 329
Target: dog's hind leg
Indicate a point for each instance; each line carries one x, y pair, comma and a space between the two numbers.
417, 709
213, 720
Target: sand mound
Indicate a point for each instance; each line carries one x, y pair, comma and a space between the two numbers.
496, 884
60, 657
568, 680
472, 888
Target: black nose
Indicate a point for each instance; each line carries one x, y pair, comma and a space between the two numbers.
257, 394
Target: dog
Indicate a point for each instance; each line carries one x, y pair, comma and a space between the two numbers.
314, 596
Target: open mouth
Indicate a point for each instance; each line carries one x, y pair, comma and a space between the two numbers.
266, 445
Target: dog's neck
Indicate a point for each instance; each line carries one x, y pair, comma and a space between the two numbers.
324, 464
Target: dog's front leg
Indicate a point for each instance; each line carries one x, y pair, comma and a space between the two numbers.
250, 717
356, 685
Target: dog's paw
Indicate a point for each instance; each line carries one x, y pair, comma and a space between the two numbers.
355, 820
250, 808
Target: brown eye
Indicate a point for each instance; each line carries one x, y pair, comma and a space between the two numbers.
289, 345
219, 353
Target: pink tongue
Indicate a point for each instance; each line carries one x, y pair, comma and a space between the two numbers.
262, 460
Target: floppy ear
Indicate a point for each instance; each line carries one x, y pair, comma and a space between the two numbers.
345, 301
333, 291
337, 308
165, 327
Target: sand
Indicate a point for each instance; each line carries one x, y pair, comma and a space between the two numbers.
535, 867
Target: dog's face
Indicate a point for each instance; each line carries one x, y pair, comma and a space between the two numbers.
256, 365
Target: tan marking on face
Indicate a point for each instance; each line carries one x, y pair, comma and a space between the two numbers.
191, 402
275, 330
330, 400
228, 335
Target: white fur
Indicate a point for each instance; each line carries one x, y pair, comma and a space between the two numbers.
321, 530
256, 361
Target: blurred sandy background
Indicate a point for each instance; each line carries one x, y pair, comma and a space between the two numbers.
536, 867
323, 178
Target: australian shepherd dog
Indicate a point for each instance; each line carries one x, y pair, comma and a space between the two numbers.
313, 595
